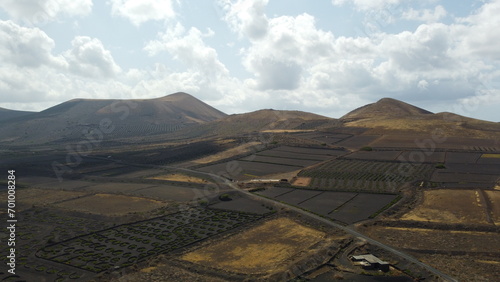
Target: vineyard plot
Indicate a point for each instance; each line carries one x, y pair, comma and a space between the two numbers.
327, 202
127, 244
297, 196
361, 207
369, 176
374, 155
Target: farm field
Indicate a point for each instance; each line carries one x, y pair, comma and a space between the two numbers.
449, 206
170, 193
327, 202
342, 206
273, 161
366, 176
374, 155
259, 250
310, 151
460, 177
279, 160
127, 244
494, 198
455, 143
110, 205
242, 170
114, 187
297, 196
179, 177
40, 197
468, 267
420, 156
361, 207
324, 137
493, 159
358, 141
462, 158
272, 192
242, 204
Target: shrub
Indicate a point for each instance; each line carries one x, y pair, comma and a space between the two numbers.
225, 197
440, 166
366, 148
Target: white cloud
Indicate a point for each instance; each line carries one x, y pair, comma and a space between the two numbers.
247, 17
478, 32
35, 12
291, 45
189, 48
425, 15
366, 5
25, 47
140, 11
88, 57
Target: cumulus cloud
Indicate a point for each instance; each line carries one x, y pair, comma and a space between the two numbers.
188, 47
366, 5
36, 12
140, 11
291, 45
25, 47
88, 57
425, 15
247, 17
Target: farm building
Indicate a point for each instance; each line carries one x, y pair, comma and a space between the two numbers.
370, 261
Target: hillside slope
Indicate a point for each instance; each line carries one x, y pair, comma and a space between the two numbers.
6, 114
74, 119
390, 116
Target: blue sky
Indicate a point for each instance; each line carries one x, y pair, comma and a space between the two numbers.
324, 56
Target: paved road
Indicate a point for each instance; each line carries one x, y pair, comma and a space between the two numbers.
347, 229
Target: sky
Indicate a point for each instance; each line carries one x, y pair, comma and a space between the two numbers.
324, 56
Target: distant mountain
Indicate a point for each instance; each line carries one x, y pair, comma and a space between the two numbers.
6, 114
385, 108
262, 120
74, 119
388, 116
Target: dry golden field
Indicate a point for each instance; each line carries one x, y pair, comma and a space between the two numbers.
259, 250
449, 206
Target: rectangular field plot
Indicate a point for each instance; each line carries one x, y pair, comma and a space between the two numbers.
449, 206
169, 193
416, 141
493, 159
285, 154
474, 168
418, 156
310, 151
274, 191
116, 187
361, 207
297, 196
242, 205
275, 160
462, 158
128, 244
494, 198
363, 175
358, 141
242, 170
374, 155
444, 176
326, 202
